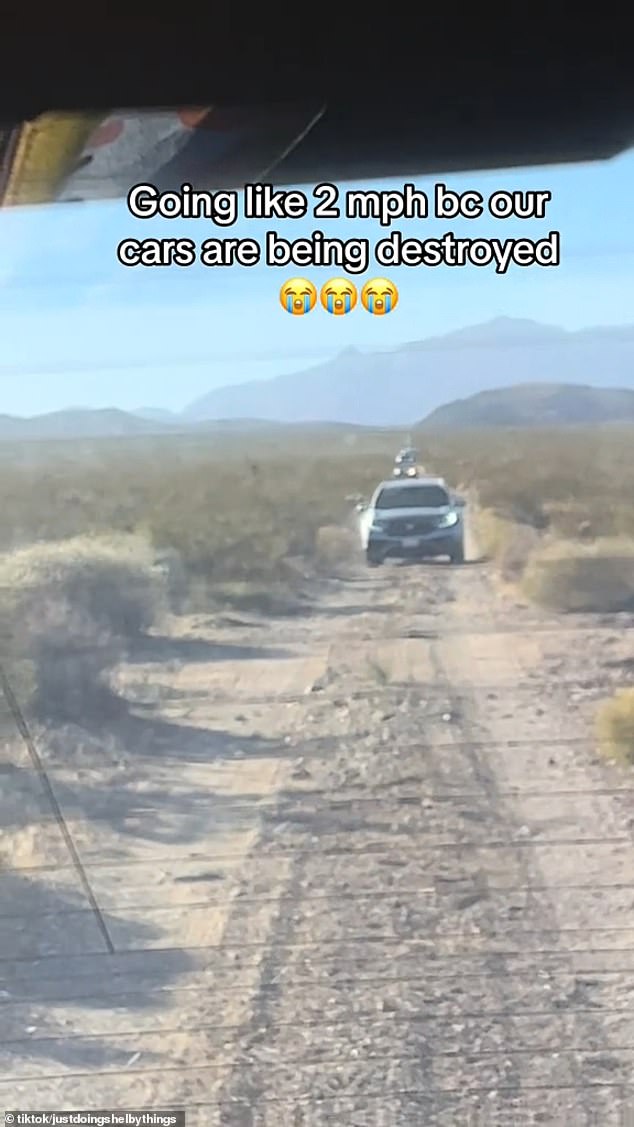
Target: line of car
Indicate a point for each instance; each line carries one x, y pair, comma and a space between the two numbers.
413, 515
406, 463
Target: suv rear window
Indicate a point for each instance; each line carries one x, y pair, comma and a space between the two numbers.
413, 497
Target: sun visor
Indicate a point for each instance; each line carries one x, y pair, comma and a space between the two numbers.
62, 157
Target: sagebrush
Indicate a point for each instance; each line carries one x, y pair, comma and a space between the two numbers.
241, 511
70, 608
596, 577
615, 727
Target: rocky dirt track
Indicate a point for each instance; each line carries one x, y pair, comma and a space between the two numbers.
360, 867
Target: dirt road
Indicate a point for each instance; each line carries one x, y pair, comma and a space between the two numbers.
359, 867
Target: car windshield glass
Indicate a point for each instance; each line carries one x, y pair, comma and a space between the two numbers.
413, 497
247, 763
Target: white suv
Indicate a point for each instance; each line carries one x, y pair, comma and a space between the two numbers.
412, 518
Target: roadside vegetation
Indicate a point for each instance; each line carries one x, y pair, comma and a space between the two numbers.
69, 611
265, 509
252, 520
555, 511
596, 577
615, 727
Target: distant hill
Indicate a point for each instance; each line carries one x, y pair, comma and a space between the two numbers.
108, 422
244, 425
156, 414
536, 404
393, 388
390, 389
83, 423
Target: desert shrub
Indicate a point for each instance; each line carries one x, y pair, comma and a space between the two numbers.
508, 544
569, 519
232, 521
335, 544
68, 655
493, 532
575, 520
615, 727
233, 527
522, 473
570, 576
68, 609
111, 580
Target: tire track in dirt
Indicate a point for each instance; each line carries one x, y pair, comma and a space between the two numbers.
535, 913
403, 897
557, 1093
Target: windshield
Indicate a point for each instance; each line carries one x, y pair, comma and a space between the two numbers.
413, 497
309, 814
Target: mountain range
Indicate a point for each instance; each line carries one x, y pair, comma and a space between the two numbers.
536, 404
395, 388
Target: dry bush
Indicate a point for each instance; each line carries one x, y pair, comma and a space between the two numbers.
569, 519
234, 509
574, 520
68, 609
521, 474
111, 580
229, 527
493, 532
508, 544
335, 545
615, 727
597, 577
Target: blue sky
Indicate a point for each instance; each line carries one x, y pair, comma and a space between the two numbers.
77, 328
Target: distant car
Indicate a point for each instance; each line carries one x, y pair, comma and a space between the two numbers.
406, 463
408, 456
412, 519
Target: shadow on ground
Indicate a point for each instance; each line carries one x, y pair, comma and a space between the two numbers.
352, 609
434, 562
112, 726
47, 931
324, 820
139, 775
121, 781
161, 648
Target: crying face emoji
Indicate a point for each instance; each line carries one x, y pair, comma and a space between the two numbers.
338, 296
379, 296
298, 296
